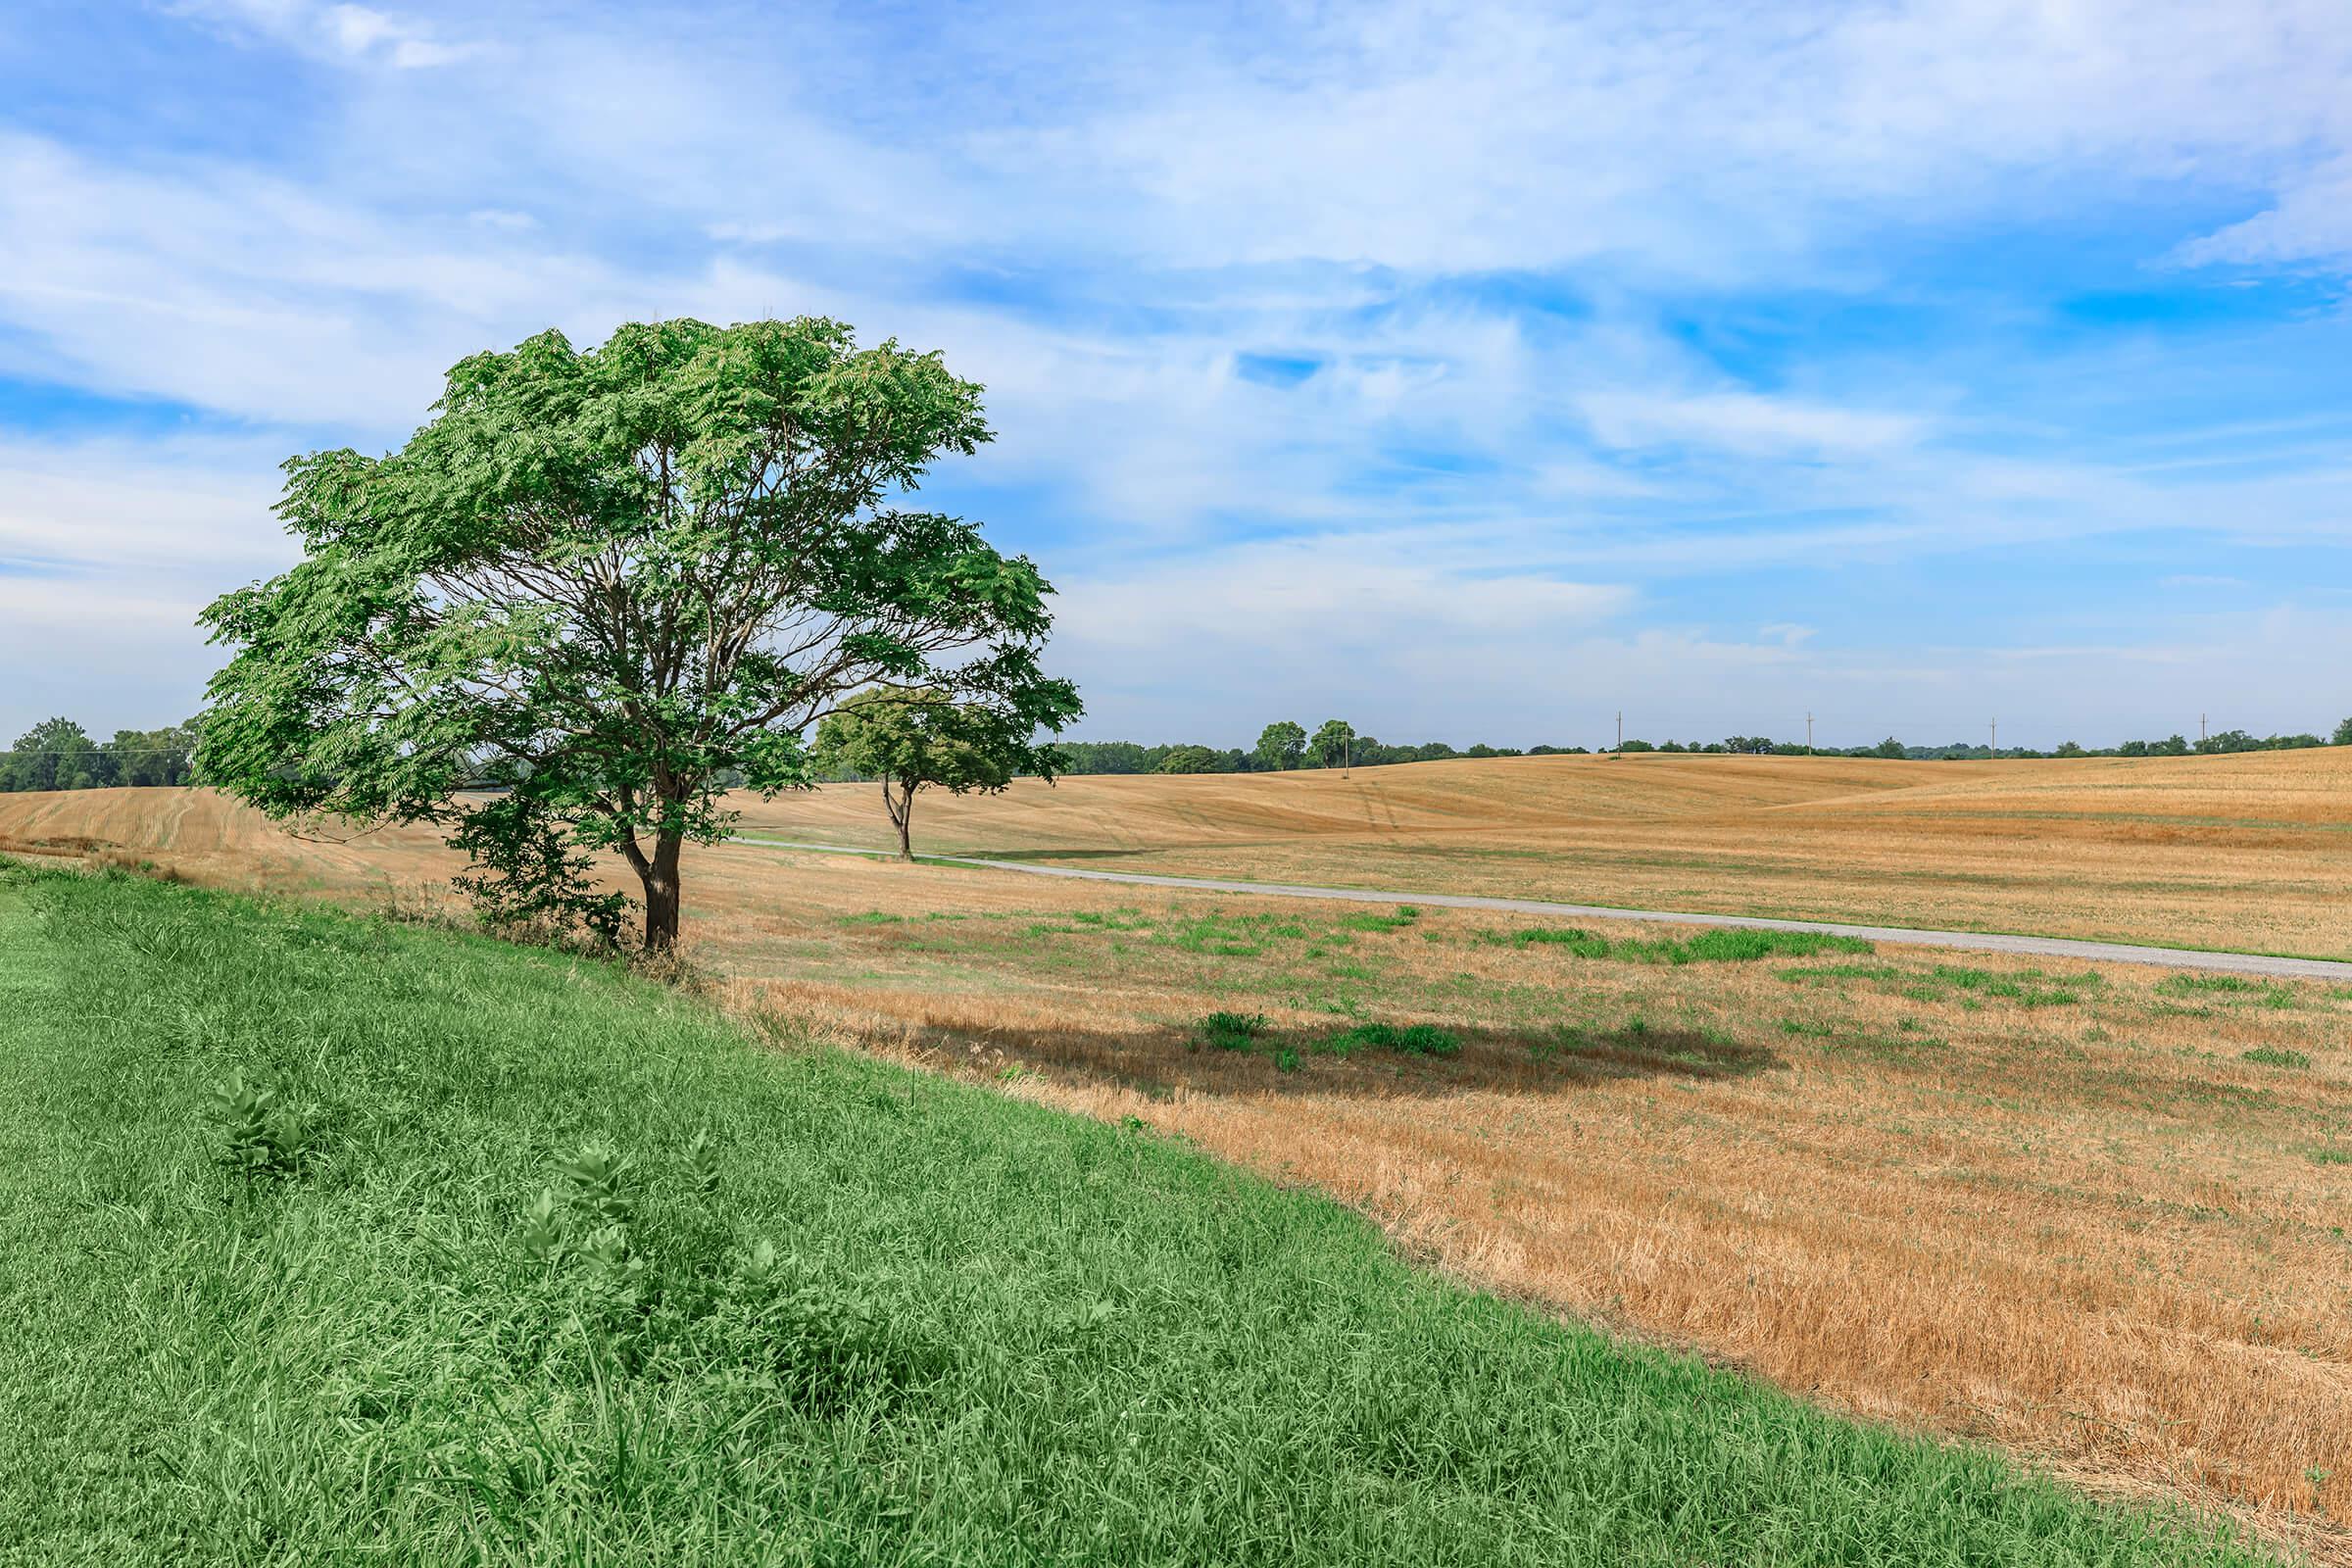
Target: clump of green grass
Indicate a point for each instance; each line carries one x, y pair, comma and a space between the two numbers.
1715, 945
2268, 993
2184, 985
1229, 1031
1411, 1040
2276, 1057
872, 917
1405, 915
2028, 988
584, 1272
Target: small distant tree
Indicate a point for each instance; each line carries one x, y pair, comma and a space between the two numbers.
2342, 735
1889, 747
1335, 739
1280, 746
617, 583
921, 739
2069, 748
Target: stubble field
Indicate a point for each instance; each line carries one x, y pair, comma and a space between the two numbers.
2096, 1213
2250, 853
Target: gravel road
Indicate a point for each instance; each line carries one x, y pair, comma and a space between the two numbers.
2247, 963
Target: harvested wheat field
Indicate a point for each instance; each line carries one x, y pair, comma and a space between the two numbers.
2097, 1215
2246, 853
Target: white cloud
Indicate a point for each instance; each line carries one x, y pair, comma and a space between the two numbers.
346, 33
2311, 222
108, 550
1740, 421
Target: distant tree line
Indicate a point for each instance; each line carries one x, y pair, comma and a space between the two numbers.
1284, 745
1281, 747
58, 754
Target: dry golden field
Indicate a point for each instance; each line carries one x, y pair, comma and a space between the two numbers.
2250, 853
2095, 1214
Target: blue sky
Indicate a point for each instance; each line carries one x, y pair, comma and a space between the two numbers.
1470, 371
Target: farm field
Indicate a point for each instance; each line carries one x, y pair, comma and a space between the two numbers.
2094, 1213
2250, 853
336, 1238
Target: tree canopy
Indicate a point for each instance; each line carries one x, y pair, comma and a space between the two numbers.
614, 583
1280, 745
910, 740
1335, 740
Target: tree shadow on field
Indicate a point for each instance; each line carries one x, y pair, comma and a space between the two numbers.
1318, 1062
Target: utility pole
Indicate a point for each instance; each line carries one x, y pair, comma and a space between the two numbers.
1808, 732
2200, 728
1995, 748
1621, 729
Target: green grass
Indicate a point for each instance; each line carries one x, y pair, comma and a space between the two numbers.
1716, 945
1230, 1031
1412, 1038
335, 1241
2268, 993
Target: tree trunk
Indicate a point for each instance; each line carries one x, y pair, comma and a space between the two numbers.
902, 817
662, 894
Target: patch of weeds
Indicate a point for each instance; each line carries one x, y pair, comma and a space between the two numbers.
1229, 1031
1412, 1040
1739, 945
1584, 944
1286, 1060
2276, 1057
2028, 988
1405, 915
2331, 1157
261, 1135
1807, 1028
1719, 945
2268, 993
2182, 984
1116, 920
873, 917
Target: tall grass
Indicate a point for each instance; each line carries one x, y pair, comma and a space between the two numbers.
339, 1241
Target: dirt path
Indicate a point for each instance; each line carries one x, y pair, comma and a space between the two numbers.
2246, 964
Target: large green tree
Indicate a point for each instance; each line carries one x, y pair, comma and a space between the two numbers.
1280, 745
153, 757
913, 740
56, 754
614, 583
1334, 743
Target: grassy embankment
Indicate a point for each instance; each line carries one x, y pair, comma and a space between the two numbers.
775, 1305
